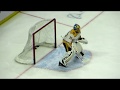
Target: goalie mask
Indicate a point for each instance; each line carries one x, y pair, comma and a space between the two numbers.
76, 28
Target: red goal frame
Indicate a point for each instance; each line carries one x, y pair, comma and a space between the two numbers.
33, 37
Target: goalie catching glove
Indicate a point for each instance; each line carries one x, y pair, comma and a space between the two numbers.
83, 40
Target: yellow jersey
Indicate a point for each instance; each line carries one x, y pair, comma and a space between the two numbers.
71, 35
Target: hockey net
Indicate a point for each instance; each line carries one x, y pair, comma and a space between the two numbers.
41, 35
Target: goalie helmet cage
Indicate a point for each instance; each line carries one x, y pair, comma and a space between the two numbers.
42, 34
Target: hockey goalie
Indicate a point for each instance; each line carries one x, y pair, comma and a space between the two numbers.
72, 44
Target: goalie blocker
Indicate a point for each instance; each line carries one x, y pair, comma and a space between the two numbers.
75, 49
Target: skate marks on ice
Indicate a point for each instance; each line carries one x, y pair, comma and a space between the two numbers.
51, 61
77, 15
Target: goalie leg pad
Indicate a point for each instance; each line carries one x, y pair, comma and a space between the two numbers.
77, 47
67, 57
78, 50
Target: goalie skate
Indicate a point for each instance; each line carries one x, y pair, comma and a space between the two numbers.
61, 64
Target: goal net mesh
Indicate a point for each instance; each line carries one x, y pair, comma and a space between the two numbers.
41, 35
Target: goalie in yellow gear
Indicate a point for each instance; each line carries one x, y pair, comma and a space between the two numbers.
70, 42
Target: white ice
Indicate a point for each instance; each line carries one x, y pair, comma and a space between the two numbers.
101, 29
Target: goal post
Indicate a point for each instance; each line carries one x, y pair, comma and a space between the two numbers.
41, 35
54, 26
